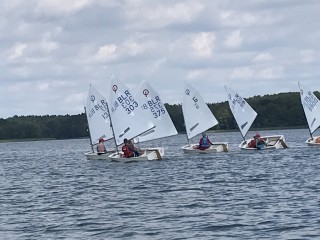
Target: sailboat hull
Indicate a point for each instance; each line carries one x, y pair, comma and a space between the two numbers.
159, 151
272, 142
314, 141
148, 155
214, 148
95, 156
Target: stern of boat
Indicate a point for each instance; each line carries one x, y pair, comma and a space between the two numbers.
314, 141
159, 151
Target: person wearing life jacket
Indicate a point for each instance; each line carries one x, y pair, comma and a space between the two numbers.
252, 143
133, 148
127, 150
101, 148
257, 142
261, 143
204, 142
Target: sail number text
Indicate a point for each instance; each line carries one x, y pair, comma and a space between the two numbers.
238, 100
195, 100
310, 101
99, 106
125, 100
155, 107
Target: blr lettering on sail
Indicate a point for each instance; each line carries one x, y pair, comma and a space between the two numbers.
98, 107
310, 101
154, 104
238, 99
125, 100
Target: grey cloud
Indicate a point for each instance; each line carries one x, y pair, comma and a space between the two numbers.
60, 48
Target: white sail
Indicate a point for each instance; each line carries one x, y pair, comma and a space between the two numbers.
97, 116
157, 113
311, 107
128, 118
241, 110
197, 115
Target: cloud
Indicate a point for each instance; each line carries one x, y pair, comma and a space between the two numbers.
242, 73
60, 6
307, 56
106, 52
203, 44
257, 72
17, 50
48, 46
52, 49
42, 86
262, 57
234, 39
270, 73
237, 18
74, 98
129, 50
152, 14
195, 74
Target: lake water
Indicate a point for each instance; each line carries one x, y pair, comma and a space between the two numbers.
50, 191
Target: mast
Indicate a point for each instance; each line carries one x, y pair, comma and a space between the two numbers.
310, 132
187, 139
242, 135
85, 111
114, 138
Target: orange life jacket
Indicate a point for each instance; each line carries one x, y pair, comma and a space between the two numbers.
126, 151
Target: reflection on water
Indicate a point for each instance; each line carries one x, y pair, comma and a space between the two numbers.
50, 191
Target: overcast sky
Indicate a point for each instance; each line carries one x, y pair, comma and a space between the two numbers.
52, 49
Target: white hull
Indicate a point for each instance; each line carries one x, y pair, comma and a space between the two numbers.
95, 156
148, 154
214, 148
272, 142
312, 141
159, 151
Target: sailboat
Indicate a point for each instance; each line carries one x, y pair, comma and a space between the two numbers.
156, 111
245, 116
128, 121
198, 118
97, 114
311, 107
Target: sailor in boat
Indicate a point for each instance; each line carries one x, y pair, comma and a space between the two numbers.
129, 150
137, 151
204, 142
257, 142
101, 148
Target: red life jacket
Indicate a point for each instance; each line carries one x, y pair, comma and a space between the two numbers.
126, 151
252, 144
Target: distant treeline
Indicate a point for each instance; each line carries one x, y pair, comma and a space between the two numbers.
282, 110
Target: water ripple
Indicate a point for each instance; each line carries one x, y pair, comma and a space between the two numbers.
57, 194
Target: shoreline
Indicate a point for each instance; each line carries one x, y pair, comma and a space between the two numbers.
209, 131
